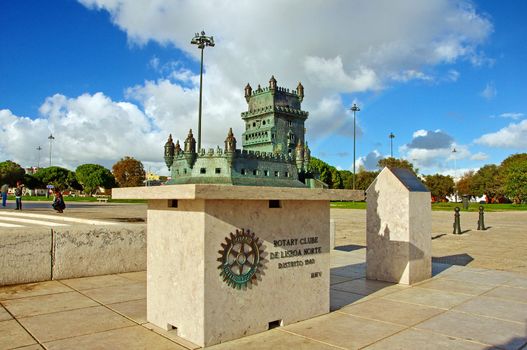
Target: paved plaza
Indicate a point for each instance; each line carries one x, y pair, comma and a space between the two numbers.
477, 298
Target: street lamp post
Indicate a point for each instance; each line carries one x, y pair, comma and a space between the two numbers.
38, 162
454, 151
50, 138
391, 136
201, 41
355, 109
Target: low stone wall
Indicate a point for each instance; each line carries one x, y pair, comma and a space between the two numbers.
32, 255
25, 256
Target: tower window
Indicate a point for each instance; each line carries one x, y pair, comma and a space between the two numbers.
266, 172
243, 172
286, 174
203, 170
290, 123
255, 172
218, 170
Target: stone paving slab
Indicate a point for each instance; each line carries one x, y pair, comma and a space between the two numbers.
109, 312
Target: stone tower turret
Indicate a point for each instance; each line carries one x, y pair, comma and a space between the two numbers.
190, 143
248, 92
169, 152
230, 142
274, 121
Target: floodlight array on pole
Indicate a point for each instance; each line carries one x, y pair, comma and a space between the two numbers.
391, 136
38, 162
201, 41
50, 138
355, 109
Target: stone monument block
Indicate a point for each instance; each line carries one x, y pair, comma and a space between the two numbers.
398, 228
225, 262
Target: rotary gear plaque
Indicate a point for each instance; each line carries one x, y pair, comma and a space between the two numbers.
240, 258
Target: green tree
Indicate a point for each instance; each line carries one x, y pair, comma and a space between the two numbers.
487, 182
396, 163
347, 178
32, 182
465, 185
513, 174
10, 173
326, 177
364, 179
60, 178
93, 176
336, 179
439, 185
129, 172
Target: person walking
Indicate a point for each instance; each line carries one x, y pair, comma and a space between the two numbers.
58, 202
18, 195
4, 190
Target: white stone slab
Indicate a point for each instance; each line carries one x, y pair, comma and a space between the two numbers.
398, 225
200, 191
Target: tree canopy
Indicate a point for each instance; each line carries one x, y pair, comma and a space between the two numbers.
129, 172
397, 163
11, 172
439, 185
93, 176
513, 174
60, 178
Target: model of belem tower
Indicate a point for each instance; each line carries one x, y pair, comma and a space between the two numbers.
274, 152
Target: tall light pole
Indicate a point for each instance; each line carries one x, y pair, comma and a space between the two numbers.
391, 136
202, 41
355, 109
38, 162
50, 138
454, 151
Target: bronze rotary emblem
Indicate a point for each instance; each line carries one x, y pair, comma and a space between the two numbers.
240, 258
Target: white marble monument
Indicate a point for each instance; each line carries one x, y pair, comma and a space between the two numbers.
224, 262
398, 228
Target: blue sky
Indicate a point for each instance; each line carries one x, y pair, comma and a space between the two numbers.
113, 78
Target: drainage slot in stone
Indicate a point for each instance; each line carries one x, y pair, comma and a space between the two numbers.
273, 203
172, 203
171, 328
275, 324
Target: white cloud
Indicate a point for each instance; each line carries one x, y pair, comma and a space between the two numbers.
510, 115
432, 151
513, 136
369, 162
431, 140
318, 45
479, 156
489, 92
452, 75
94, 126
411, 74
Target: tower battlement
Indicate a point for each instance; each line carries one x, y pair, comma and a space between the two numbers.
274, 152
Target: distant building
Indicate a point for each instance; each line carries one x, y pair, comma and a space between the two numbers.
274, 149
32, 170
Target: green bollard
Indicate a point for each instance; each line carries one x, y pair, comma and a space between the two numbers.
481, 221
457, 224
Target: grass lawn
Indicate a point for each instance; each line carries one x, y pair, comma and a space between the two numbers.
441, 206
75, 199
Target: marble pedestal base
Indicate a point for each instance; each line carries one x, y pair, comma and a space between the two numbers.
202, 282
